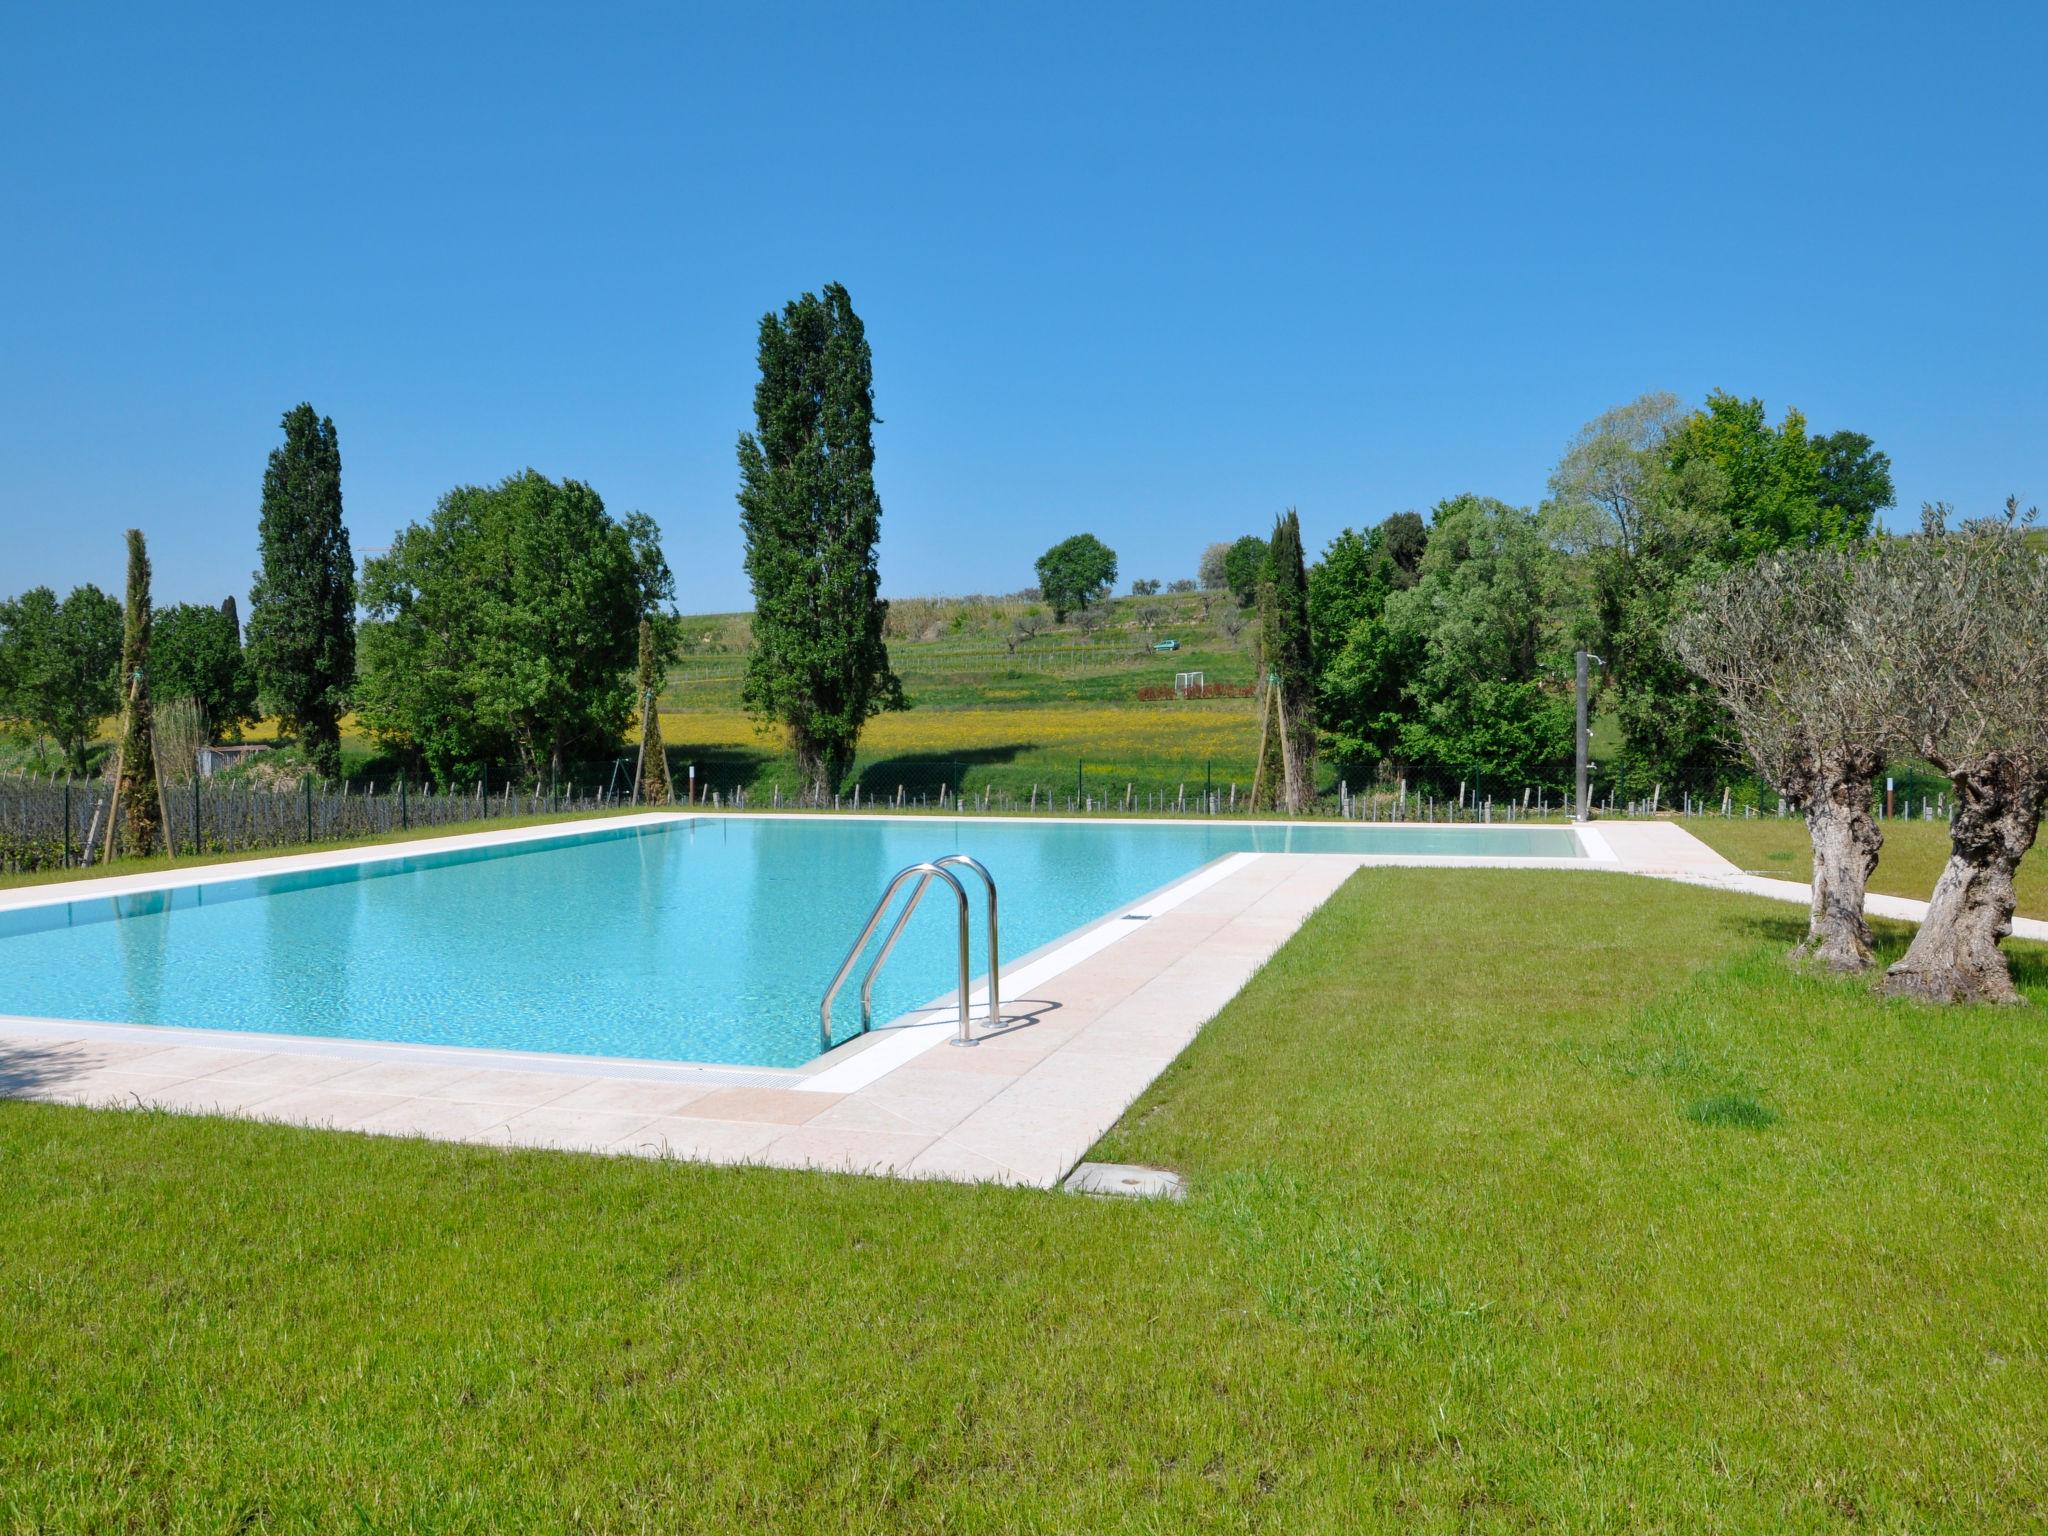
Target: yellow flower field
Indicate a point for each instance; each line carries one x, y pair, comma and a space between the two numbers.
1112, 732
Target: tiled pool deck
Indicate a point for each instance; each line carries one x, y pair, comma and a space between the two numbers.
1097, 1017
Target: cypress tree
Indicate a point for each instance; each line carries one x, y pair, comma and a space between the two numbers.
655, 788
137, 789
1290, 656
233, 615
817, 664
302, 605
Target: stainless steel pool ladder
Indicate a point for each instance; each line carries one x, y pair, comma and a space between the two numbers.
929, 871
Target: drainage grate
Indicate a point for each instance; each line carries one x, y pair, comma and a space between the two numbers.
1127, 1181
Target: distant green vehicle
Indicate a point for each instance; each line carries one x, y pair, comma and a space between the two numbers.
1165, 645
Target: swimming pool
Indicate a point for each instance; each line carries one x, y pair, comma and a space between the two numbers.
704, 939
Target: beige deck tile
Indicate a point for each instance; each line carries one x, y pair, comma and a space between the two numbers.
183, 1061
945, 1159
568, 1129
282, 1069
926, 1103
699, 1140
30, 1058
1028, 1158
106, 1087
203, 1095
983, 1060
442, 1119
411, 1078
1131, 1043
522, 1090
779, 1106
319, 1105
846, 1151
627, 1096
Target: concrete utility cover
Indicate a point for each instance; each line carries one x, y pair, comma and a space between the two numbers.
1126, 1179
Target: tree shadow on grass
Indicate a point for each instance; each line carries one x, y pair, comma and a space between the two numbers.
2028, 959
719, 768
927, 772
2029, 962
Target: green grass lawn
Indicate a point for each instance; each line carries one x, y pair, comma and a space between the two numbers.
1518, 1201
1910, 863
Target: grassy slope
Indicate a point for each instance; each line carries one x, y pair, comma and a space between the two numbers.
983, 714
1914, 852
1482, 1236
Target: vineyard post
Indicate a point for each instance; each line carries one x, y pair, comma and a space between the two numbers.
307, 781
67, 821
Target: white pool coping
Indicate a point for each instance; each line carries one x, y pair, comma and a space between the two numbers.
1212, 927
849, 1065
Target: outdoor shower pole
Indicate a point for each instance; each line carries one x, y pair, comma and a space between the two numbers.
1580, 806
1579, 736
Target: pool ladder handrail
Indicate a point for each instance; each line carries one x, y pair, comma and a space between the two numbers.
995, 959
929, 870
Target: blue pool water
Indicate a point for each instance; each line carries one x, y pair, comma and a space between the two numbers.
706, 940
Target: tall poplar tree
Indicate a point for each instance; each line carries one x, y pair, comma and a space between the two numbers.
137, 789
1290, 658
655, 788
817, 665
302, 608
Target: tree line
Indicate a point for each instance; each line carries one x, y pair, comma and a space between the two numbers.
1442, 645
502, 633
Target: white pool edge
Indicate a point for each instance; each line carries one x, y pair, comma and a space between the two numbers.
863, 1060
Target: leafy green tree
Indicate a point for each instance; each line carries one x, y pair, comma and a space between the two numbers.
1356, 575
1363, 692
1076, 572
1778, 487
1482, 618
301, 640
1399, 544
1651, 498
58, 663
1638, 530
1244, 568
1290, 661
136, 789
817, 664
1363, 666
198, 655
504, 630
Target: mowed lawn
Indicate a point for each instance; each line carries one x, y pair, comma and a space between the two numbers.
1909, 864
1519, 1201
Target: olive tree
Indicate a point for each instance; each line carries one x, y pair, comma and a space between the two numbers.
1967, 647
1782, 641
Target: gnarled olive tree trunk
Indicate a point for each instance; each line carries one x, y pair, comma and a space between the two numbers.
1955, 957
1846, 840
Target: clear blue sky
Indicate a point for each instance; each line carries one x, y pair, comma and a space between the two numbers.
1154, 272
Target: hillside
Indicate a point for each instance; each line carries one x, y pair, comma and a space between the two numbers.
1001, 696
